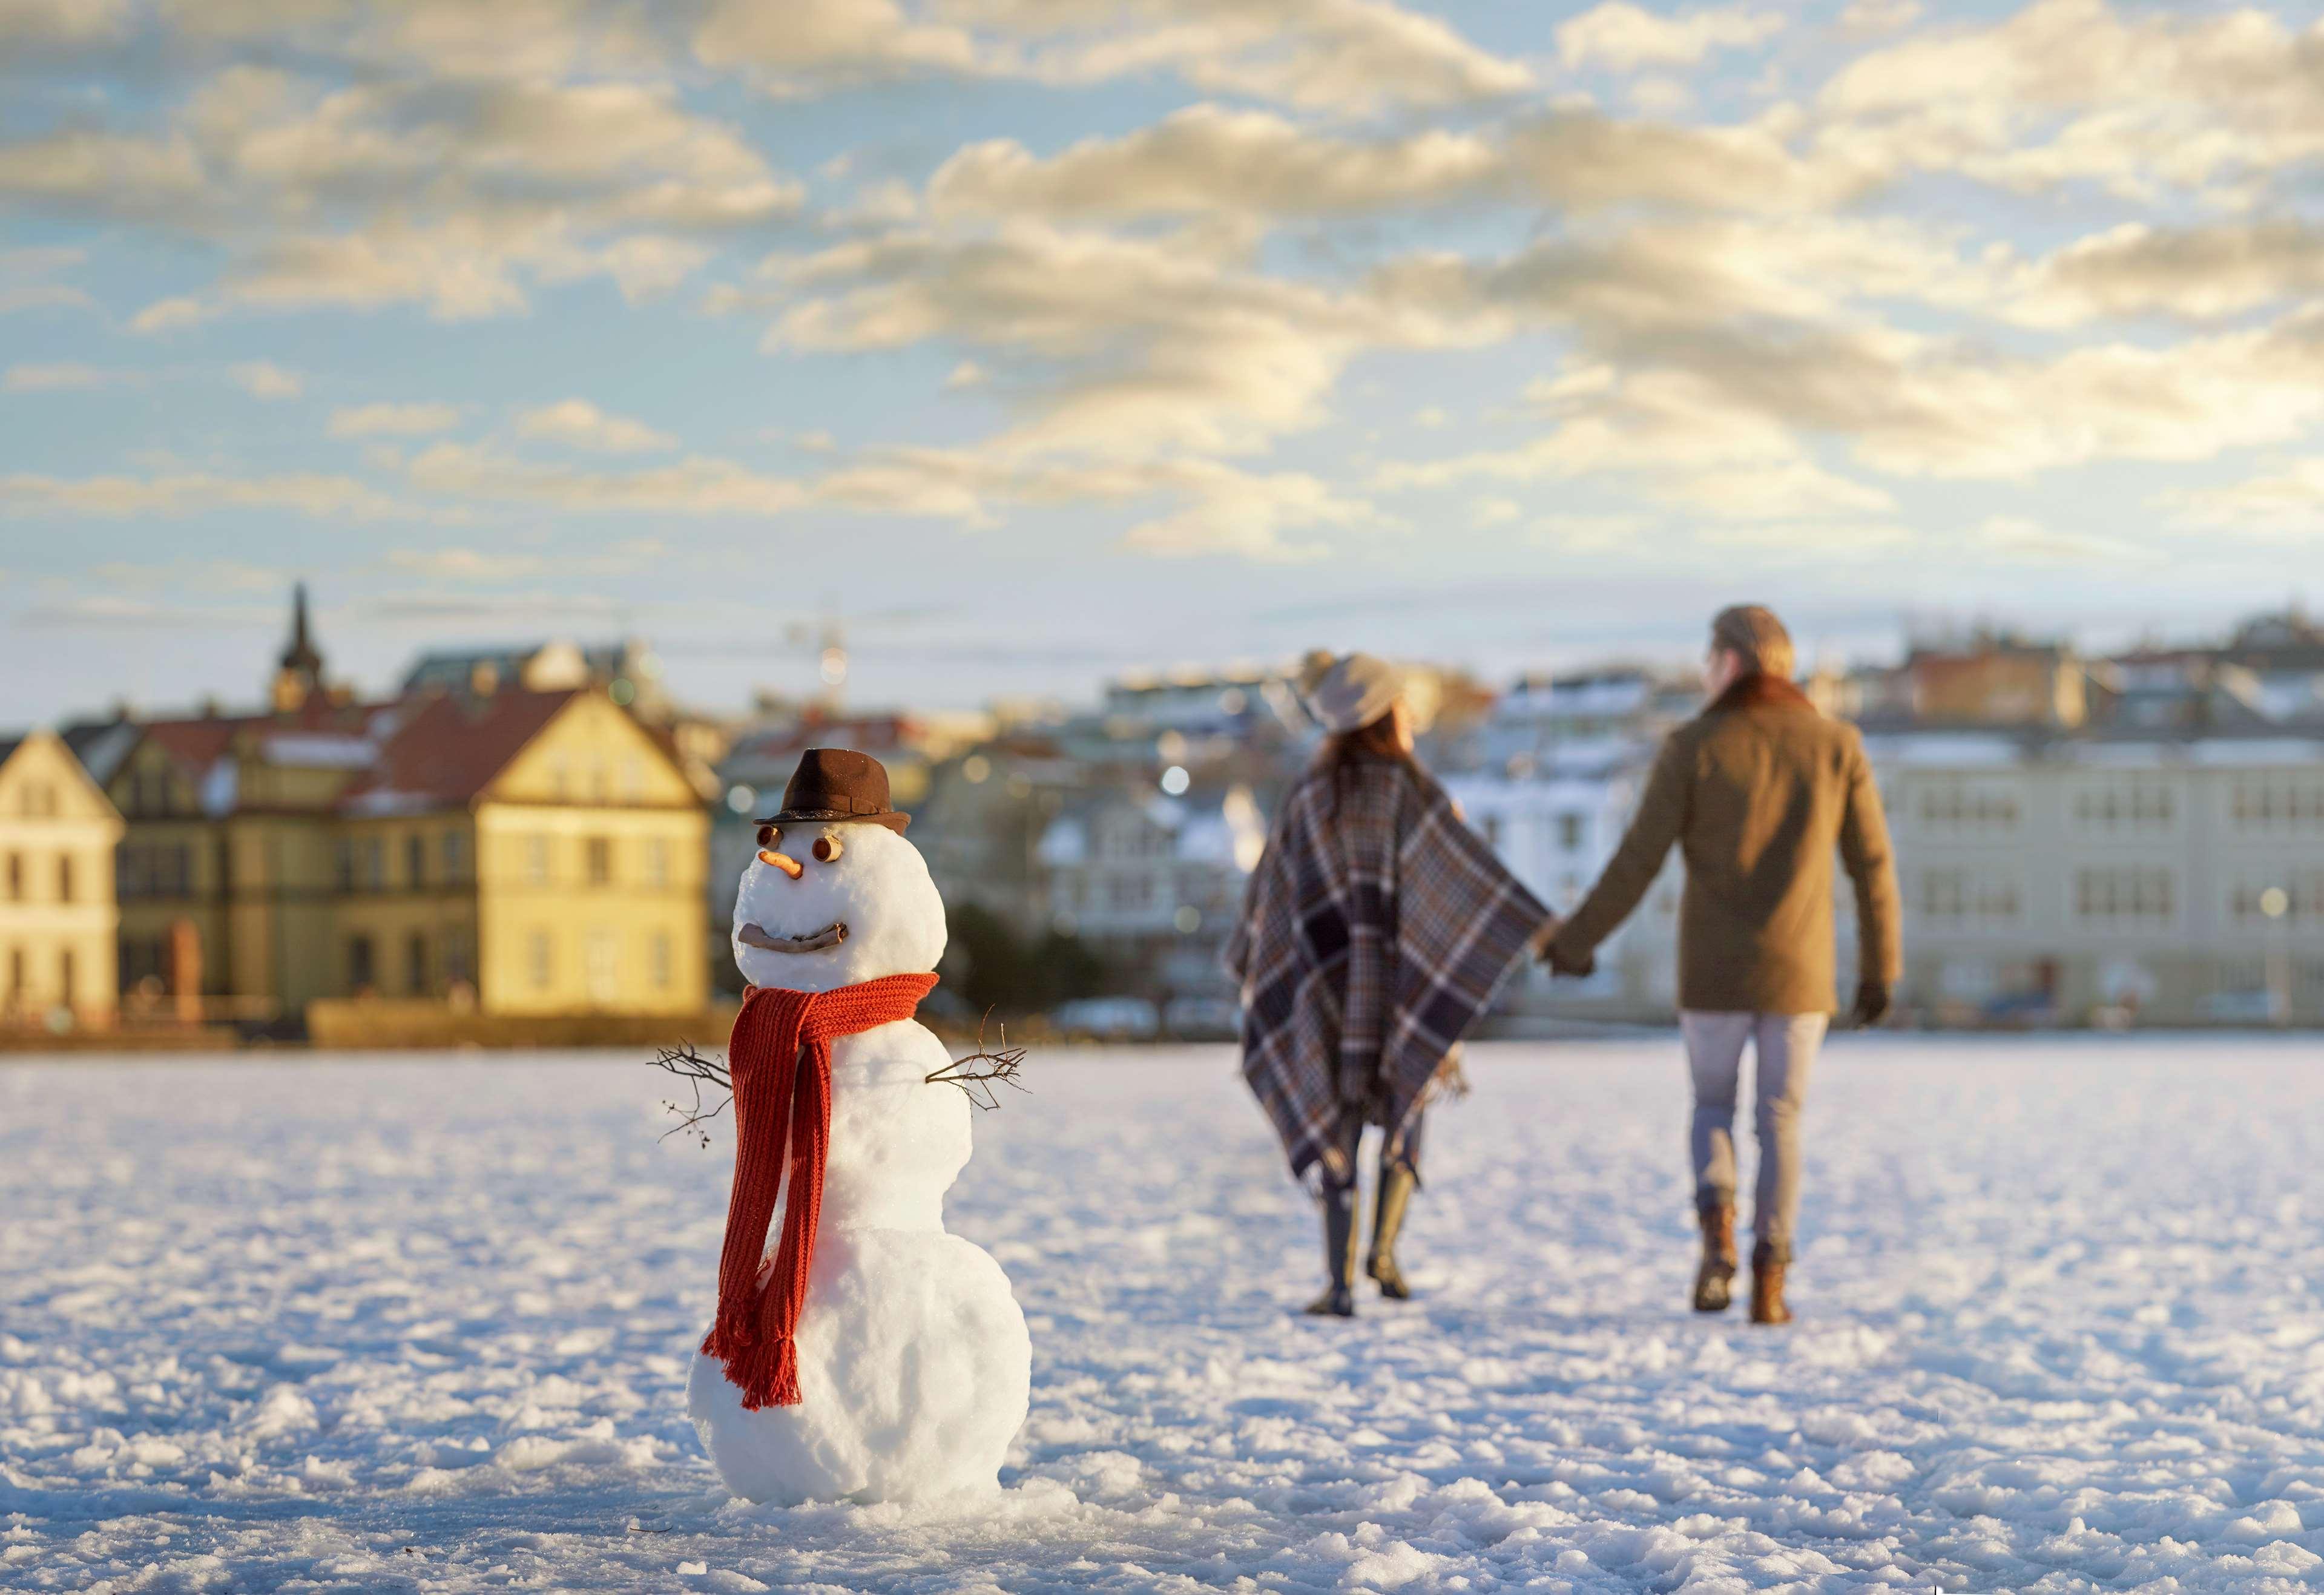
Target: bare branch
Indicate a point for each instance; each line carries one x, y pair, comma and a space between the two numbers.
980, 1072
697, 1071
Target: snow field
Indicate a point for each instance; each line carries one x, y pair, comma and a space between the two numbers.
424, 1324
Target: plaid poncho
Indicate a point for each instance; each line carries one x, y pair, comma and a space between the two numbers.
1373, 935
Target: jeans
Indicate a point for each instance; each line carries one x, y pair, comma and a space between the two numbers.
1786, 1044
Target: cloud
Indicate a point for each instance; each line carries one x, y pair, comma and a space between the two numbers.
1130, 343
1207, 160
25, 276
696, 486
2073, 91
1622, 37
453, 194
466, 565
323, 497
2290, 500
263, 378
169, 315
63, 375
62, 22
579, 424
394, 420
2198, 273
1344, 57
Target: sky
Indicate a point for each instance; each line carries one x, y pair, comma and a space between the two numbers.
1033, 340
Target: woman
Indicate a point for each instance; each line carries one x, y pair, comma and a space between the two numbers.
1373, 935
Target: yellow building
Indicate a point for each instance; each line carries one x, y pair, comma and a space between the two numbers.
507, 852
57, 834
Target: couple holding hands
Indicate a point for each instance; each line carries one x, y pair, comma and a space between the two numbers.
1378, 925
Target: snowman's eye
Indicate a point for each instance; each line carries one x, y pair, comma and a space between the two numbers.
769, 836
829, 846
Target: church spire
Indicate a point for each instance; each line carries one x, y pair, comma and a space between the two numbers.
301, 675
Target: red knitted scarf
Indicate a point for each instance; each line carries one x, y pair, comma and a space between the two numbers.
779, 1056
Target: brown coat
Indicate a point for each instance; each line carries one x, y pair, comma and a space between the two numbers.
1758, 791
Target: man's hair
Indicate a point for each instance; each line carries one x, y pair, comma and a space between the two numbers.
1753, 633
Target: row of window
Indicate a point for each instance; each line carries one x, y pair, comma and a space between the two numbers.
2128, 806
428, 965
154, 868
38, 801
1567, 831
363, 863
2118, 895
23, 874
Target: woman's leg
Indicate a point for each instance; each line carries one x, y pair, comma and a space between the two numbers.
1338, 1195
1397, 1178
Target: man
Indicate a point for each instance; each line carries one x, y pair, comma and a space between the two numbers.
1758, 791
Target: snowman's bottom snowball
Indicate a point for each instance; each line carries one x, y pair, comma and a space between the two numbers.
915, 1370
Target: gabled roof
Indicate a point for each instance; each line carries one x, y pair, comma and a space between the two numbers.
450, 748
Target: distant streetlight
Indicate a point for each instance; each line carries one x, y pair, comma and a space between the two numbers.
1175, 780
2275, 903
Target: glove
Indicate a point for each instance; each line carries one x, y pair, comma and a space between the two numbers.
1871, 1004
1561, 961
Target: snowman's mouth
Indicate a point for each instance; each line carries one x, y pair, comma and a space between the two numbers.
814, 941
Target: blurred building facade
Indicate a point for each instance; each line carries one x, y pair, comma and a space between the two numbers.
58, 915
516, 851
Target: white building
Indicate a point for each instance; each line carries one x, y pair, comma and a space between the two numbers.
2175, 881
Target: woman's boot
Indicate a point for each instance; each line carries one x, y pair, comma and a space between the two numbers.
1396, 1183
1767, 1285
1714, 1279
1339, 1299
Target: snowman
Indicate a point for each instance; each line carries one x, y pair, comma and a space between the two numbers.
864, 1354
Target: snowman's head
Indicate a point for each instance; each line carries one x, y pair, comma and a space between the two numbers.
826, 904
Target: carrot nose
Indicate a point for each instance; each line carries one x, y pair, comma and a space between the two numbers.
783, 862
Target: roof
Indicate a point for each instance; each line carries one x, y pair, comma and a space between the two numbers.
450, 748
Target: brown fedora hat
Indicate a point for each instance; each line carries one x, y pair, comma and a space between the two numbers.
837, 784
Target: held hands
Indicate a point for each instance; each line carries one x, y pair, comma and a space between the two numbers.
1871, 1004
1559, 961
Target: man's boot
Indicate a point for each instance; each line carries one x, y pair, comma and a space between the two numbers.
1714, 1279
1767, 1285
1339, 1298
1396, 1183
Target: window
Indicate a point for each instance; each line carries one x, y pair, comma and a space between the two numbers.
543, 958
1492, 828
360, 969
598, 853
65, 882
657, 861
375, 863
343, 864
536, 860
658, 960
415, 964
15, 975
65, 970
2302, 898
633, 779
15, 877
1572, 828
603, 967
459, 962
2124, 896
2278, 801
454, 853
415, 859
1960, 896
1956, 805
2125, 805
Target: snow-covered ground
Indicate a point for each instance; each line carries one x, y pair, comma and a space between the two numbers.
422, 1324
